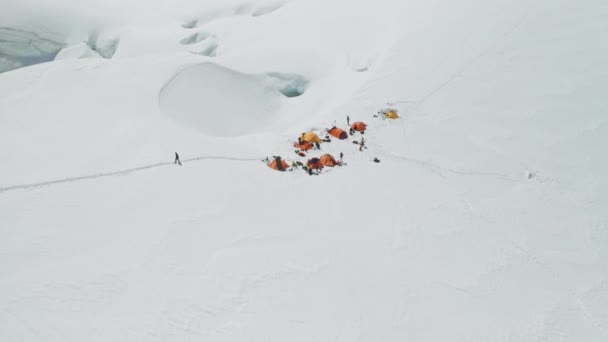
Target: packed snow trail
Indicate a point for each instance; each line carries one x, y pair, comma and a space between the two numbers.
118, 173
438, 168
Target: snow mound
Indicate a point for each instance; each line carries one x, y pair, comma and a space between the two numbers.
195, 38
80, 50
229, 10
267, 9
219, 101
104, 44
208, 42
209, 48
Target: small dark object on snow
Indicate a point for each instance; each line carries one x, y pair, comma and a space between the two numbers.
376, 160
279, 163
362, 144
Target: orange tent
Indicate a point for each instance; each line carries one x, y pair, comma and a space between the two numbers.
328, 160
304, 147
359, 126
314, 163
338, 133
278, 164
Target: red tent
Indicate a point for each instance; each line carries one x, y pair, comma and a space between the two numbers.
338, 133
359, 126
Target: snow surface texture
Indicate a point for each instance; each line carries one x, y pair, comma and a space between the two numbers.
197, 96
486, 219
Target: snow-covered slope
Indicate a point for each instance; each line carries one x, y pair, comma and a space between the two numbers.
486, 218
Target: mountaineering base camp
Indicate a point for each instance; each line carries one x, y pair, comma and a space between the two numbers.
303, 170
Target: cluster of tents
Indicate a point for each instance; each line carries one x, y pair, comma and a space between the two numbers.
306, 142
311, 140
280, 164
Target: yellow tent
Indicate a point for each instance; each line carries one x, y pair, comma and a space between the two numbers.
392, 114
311, 137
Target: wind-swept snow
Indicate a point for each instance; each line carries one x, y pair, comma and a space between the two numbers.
223, 102
484, 220
81, 50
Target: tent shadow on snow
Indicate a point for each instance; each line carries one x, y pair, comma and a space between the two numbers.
219, 101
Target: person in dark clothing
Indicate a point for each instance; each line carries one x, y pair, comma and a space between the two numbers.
341, 156
318, 145
362, 144
279, 163
347, 120
177, 161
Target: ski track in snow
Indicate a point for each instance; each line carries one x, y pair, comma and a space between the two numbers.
498, 39
437, 167
118, 173
427, 164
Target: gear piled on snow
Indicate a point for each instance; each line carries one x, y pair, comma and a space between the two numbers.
305, 146
314, 164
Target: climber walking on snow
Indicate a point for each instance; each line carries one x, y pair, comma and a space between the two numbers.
341, 156
362, 144
347, 120
177, 161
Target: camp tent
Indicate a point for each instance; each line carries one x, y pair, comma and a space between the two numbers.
338, 133
304, 147
278, 164
314, 163
328, 160
311, 137
392, 114
359, 126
